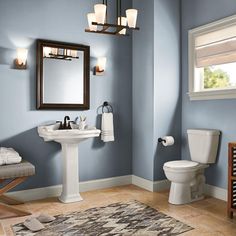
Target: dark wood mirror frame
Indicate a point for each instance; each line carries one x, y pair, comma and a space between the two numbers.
39, 60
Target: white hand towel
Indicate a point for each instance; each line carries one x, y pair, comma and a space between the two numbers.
9, 156
107, 128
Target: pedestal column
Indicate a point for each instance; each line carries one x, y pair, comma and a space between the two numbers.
70, 169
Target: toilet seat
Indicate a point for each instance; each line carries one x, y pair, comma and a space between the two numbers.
182, 165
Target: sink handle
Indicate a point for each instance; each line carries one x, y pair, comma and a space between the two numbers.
69, 125
76, 119
60, 127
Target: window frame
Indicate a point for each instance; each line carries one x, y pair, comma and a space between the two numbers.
226, 93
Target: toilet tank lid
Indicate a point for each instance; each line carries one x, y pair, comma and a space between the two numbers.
210, 132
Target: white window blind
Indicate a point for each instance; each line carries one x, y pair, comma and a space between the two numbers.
217, 47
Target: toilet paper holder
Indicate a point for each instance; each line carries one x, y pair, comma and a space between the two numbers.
160, 140
167, 141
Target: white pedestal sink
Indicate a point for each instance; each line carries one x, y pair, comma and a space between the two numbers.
69, 140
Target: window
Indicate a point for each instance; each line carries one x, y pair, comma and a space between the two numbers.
212, 60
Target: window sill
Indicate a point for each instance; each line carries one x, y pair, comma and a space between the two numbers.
212, 95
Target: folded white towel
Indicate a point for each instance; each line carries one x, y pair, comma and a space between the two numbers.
9, 156
4, 150
107, 128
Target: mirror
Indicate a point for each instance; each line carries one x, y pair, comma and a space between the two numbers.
62, 75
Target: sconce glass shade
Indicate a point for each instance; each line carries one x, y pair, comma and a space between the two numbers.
47, 51
22, 56
92, 18
100, 13
131, 15
122, 21
101, 63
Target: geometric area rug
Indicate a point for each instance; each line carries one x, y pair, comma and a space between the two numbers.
131, 218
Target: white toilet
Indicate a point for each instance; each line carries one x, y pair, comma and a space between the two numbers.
187, 177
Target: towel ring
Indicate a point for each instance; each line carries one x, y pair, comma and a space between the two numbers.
106, 106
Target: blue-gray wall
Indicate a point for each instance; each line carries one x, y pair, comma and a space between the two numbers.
167, 83
216, 114
143, 92
21, 23
156, 86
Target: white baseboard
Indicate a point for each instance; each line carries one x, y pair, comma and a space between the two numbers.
54, 191
156, 186
105, 183
161, 185
36, 193
150, 185
216, 192
142, 183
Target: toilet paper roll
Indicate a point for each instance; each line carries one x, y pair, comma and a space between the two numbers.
169, 141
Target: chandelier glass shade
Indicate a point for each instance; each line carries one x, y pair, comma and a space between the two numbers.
98, 22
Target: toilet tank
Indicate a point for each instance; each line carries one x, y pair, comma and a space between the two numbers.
203, 145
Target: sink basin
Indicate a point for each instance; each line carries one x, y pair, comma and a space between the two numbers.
69, 140
52, 133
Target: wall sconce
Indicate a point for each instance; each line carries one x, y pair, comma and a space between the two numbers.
101, 66
21, 58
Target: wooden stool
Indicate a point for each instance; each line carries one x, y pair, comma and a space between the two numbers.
16, 173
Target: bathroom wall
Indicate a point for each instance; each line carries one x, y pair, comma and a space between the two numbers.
143, 92
156, 90
167, 80
214, 114
21, 23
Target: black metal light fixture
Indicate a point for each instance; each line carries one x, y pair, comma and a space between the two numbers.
98, 20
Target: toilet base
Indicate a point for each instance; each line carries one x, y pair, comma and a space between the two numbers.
180, 193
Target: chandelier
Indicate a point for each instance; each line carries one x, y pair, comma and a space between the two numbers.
98, 22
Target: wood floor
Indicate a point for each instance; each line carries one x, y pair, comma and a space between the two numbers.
208, 216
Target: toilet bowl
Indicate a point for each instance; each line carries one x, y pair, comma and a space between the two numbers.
187, 177
187, 181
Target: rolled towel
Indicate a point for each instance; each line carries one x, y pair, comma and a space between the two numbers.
9, 156
107, 134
